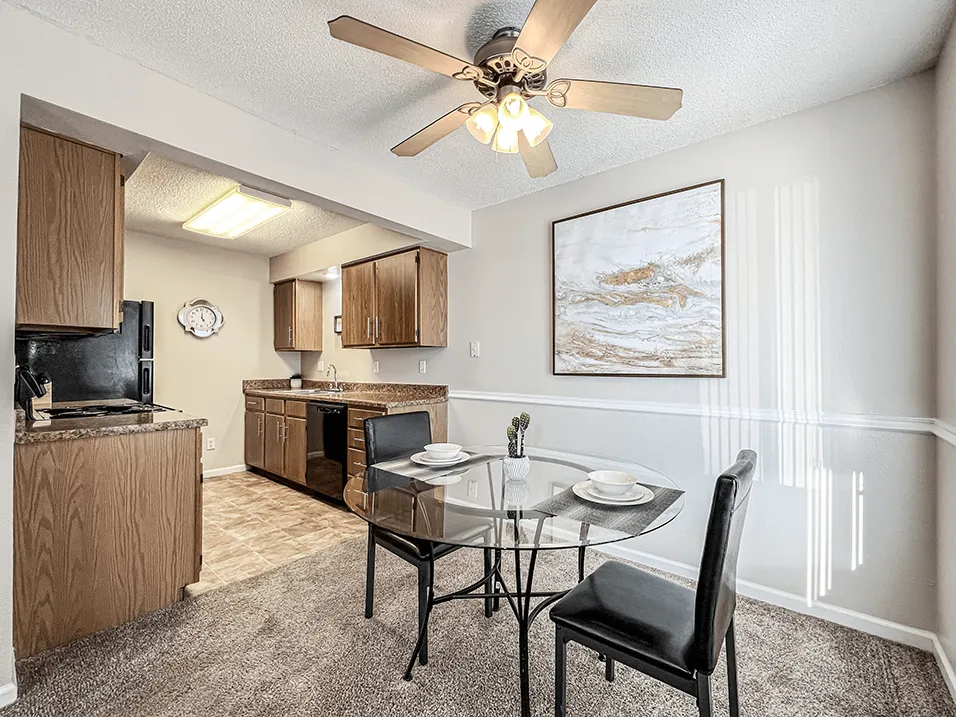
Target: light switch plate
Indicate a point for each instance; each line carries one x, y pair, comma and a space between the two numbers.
472, 489
475, 352
421, 366
320, 366
210, 444
374, 366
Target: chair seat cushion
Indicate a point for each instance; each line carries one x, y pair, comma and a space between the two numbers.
413, 549
635, 612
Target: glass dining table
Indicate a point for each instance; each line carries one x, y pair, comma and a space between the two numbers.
519, 508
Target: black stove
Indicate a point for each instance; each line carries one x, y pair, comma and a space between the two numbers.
105, 409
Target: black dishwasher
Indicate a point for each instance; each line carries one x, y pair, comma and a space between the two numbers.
326, 448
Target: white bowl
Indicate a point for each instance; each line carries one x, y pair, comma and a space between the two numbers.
442, 451
612, 483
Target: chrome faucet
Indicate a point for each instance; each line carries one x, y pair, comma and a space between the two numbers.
334, 373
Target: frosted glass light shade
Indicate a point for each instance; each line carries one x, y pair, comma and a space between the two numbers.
483, 123
506, 141
536, 127
512, 111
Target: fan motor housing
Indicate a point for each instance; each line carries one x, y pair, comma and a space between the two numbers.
495, 57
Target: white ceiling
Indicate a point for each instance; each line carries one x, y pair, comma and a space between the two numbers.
739, 62
161, 194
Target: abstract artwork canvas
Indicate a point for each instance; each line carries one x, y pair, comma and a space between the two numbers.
639, 287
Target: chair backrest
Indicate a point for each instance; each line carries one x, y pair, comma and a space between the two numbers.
396, 436
717, 582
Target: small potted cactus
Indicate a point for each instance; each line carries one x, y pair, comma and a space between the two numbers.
296, 380
517, 465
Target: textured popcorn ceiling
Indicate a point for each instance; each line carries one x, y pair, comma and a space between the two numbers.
739, 62
162, 194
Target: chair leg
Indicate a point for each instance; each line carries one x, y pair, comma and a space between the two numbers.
489, 581
496, 603
370, 575
609, 670
581, 564
732, 671
560, 673
703, 695
424, 577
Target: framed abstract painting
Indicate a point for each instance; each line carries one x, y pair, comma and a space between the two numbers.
638, 288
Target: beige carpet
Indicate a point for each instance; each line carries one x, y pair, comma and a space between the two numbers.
293, 642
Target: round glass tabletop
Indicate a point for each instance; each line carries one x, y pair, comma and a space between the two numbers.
481, 504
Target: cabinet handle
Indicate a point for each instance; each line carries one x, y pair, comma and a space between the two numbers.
259, 426
278, 432
290, 336
377, 326
368, 327
285, 431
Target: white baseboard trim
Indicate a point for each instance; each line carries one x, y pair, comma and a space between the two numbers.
8, 694
212, 473
949, 677
903, 424
914, 637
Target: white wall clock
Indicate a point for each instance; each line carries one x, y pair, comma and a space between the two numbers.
201, 317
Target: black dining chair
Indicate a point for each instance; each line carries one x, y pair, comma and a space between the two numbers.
667, 631
399, 436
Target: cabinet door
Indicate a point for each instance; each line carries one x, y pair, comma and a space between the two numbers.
255, 435
273, 452
295, 449
307, 316
358, 304
69, 251
396, 299
283, 301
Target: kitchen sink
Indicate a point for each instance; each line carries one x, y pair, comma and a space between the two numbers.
315, 391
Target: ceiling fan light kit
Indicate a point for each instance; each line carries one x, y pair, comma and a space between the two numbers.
509, 70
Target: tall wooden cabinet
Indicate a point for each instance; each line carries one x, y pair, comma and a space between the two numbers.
297, 315
70, 224
396, 300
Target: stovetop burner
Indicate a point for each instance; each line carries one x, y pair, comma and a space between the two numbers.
105, 409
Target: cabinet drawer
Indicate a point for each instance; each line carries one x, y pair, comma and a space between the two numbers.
254, 403
297, 409
357, 439
356, 462
275, 405
358, 415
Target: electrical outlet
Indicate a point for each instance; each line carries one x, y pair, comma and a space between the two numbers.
475, 349
472, 489
374, 366
210, 444
421, 366
321, 366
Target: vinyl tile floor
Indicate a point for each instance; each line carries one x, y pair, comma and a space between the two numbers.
252, 524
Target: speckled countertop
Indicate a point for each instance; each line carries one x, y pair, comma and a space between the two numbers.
360, 395
66, 429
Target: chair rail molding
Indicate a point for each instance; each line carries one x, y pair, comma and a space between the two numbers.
945, 432
904, 424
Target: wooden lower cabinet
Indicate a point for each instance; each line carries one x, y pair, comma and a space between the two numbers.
274, 449
104, 530
255, 439
296, 449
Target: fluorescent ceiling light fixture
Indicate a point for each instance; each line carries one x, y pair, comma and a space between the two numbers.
238, 211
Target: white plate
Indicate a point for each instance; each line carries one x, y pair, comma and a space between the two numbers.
582, 490
449, 479
636, 491
422, 459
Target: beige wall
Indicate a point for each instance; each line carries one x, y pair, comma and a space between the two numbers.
203, 376
946, 346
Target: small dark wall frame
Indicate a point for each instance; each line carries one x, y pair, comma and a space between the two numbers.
618, 275
337, 324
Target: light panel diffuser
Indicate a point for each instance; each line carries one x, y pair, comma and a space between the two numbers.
238, 211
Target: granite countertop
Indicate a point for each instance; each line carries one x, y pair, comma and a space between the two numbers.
360, 395
66, 429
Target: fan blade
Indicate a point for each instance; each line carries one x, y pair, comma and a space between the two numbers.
538, 160
388, 43
439, 129
549, 25
618, 98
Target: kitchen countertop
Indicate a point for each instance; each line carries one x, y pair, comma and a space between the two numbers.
360, 395
66, 429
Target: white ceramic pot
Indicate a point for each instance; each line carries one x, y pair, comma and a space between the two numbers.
295, 382
516, 469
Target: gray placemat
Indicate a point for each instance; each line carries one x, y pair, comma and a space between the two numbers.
631, 519
407, 468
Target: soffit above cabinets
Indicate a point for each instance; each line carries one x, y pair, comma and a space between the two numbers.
739, 63
161, 194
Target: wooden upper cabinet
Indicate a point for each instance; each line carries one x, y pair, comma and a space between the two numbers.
297, 315
69, 235
400, 298
358, 304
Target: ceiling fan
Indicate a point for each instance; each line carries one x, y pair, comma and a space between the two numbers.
509, 70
